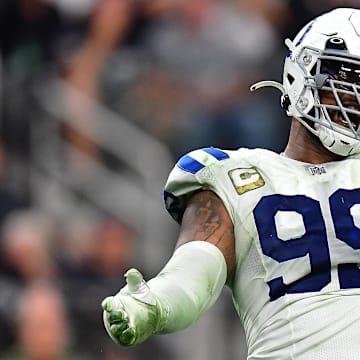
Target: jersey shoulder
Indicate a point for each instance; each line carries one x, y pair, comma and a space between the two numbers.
201, 169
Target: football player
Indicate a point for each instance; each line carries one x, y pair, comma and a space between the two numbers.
281, 230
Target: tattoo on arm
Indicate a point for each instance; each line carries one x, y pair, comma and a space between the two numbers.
207, 219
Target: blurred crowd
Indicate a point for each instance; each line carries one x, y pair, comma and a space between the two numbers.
178, 72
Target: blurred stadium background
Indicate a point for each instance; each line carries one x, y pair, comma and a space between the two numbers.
98, 98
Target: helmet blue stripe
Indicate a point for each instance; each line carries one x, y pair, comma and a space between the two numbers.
302, 37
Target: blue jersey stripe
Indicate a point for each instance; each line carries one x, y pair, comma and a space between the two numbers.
188, 164
216, 153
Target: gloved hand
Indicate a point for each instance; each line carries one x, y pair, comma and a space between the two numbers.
133, 314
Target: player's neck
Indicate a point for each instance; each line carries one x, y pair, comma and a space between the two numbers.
306, 147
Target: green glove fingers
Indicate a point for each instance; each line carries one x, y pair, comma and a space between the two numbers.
132, 315
118, 331
115, 318
114, 311
128, 336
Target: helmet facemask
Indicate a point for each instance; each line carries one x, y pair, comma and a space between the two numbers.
321, 80
335, 87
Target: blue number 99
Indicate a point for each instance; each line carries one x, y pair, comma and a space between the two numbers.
313, 243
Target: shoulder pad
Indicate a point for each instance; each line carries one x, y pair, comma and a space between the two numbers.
198, 159
183, 182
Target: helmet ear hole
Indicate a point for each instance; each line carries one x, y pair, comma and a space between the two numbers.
290, 78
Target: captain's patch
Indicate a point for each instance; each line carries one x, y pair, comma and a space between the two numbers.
246, 179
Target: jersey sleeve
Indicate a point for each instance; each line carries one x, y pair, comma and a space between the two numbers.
187, 177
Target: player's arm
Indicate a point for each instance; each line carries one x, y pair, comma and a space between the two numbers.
187, 286
206, 219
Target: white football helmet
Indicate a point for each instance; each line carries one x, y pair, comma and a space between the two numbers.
324, 62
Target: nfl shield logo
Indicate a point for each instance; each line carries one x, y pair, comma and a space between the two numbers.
317, 170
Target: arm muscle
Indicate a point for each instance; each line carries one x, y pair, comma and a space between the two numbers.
207, 219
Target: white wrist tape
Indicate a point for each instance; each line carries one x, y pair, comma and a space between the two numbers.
189, 284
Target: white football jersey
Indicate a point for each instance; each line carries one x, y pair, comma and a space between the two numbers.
297, 230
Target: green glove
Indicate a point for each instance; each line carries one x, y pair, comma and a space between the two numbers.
185, 288
133, 314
